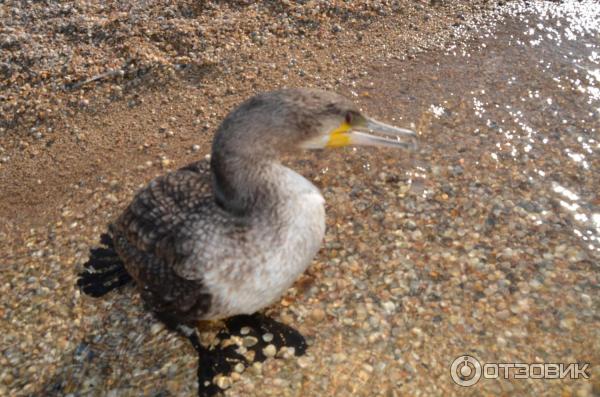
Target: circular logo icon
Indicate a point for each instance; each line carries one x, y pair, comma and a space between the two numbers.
465, 370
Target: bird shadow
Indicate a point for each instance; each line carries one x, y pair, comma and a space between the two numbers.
123, 347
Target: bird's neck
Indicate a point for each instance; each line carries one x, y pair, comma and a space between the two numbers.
243, 185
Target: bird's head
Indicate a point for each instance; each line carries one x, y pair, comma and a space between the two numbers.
284, 120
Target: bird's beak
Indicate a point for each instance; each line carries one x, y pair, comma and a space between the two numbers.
359, 135
395, 137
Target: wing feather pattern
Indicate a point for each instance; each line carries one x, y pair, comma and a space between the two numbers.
153, 238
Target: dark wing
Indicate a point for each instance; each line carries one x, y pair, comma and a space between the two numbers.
151, 238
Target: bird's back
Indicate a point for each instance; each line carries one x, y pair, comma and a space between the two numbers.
151, 236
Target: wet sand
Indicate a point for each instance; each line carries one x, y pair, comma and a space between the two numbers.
484, 242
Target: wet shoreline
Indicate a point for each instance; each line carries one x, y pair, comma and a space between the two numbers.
483, 243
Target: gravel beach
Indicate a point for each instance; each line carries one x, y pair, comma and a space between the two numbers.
484, 242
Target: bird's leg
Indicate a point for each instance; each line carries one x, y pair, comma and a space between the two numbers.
267, 331
212, 361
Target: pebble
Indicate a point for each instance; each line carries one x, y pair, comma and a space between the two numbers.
287, 352
317, 314
257, 367
304, 362
339, 357
268, 337
156, 328
269, 350
389, 307
586, 299
111, 198
224, 382
249, 341
245, 330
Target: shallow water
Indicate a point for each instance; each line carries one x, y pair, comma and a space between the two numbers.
499, 211
546, 112
485, 241
522, 96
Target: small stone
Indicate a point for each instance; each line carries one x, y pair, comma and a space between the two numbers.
417, 332
249, 341
280, 382
417, 235
361, 313
245, 330
270, 350
535, 284
268, 337
317, 314
410, 225
503, 314
239, 368
586, 299
389, 307
339, 357
224, 382
287, 352
303, 362
111, 198
257, 367
374, 337
195, 148
363, 376
156, 328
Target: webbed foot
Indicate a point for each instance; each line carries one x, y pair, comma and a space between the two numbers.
214, 361
222, 358
267, 331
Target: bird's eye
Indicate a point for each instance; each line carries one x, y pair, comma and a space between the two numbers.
349, 118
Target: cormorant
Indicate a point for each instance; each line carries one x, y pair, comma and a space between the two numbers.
224, 239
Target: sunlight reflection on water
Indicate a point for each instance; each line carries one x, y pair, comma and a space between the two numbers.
563, 37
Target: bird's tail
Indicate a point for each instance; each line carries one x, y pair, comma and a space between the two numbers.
104, 271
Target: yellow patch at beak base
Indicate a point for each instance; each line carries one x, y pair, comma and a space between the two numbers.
339, 137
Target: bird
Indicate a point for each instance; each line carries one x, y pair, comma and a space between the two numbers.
223, 238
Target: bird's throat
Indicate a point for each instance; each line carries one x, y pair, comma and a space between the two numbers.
242, 185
